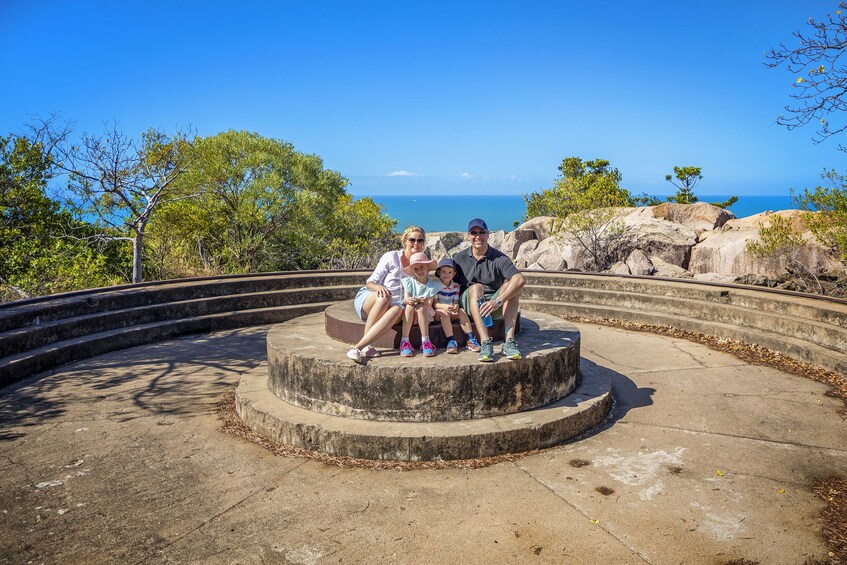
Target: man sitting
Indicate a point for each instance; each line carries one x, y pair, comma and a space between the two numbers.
488, 273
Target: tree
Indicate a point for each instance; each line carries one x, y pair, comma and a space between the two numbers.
582, 185
120, 181
263, 206
587, 197
821, 76
36, 259
686, 179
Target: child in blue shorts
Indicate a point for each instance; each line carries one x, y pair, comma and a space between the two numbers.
447, 307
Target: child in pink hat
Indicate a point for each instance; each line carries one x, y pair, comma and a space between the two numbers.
419, 294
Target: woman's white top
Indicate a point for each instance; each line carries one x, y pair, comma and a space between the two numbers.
389, 273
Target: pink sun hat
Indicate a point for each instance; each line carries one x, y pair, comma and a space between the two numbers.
419, 259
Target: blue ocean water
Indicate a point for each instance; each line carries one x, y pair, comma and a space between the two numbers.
452, 213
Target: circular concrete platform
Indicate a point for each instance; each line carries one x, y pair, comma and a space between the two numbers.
422, 408
308, 369
550, 425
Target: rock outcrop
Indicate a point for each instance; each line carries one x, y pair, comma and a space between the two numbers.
698, 241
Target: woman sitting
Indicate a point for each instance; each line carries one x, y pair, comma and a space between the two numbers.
380, 302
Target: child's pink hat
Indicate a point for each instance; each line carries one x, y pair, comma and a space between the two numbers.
419, 259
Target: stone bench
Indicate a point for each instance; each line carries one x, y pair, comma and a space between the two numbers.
344, 325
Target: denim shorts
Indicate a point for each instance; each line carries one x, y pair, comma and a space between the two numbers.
359, 302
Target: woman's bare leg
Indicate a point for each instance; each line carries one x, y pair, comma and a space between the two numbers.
374, 308
380, 326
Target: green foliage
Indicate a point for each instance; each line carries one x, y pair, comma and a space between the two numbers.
826, 212
825, 215
586, 196
776, 239
582, 185
37, 255
259, 205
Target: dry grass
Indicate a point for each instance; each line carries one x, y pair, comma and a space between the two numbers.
833, 491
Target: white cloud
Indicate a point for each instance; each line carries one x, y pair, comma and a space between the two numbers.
465, 175
403, 174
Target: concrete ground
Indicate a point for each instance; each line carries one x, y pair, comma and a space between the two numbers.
705, 459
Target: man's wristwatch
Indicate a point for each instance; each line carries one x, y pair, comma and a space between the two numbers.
498, 302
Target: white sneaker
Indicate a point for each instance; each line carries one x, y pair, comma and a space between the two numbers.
355, 355
370, 351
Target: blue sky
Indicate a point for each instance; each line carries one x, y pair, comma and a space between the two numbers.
445, 97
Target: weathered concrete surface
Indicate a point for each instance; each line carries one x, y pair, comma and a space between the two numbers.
312, 371
118, 459
584, 408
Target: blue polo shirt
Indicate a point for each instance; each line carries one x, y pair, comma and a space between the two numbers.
491, 271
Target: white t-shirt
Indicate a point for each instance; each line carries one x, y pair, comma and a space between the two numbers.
389, 273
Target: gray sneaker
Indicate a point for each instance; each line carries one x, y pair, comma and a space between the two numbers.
510, 349
486, 351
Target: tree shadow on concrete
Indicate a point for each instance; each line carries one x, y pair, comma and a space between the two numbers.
180, 377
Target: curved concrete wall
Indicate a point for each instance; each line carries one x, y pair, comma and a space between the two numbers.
40, 334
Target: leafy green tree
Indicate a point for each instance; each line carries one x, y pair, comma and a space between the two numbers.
685, 179
263, 206
819, 75
36, 258
825, 215
587, 197
582, 185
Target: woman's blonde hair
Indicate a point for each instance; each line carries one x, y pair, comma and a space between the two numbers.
411, 229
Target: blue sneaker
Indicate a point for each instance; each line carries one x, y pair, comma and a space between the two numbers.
452, 346
406, 349
428, 349
473, 345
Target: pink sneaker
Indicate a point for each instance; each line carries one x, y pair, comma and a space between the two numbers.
428, 349
406, 349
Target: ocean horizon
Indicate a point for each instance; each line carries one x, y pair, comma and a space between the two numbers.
452, 213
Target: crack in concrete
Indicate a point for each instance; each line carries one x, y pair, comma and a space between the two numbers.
719, 434
208, 521
581, 511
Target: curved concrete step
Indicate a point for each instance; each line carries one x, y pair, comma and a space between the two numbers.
807, 329
16, 367
34, 312
823, 309
267, 415
310, 370
54, 331
796, 348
